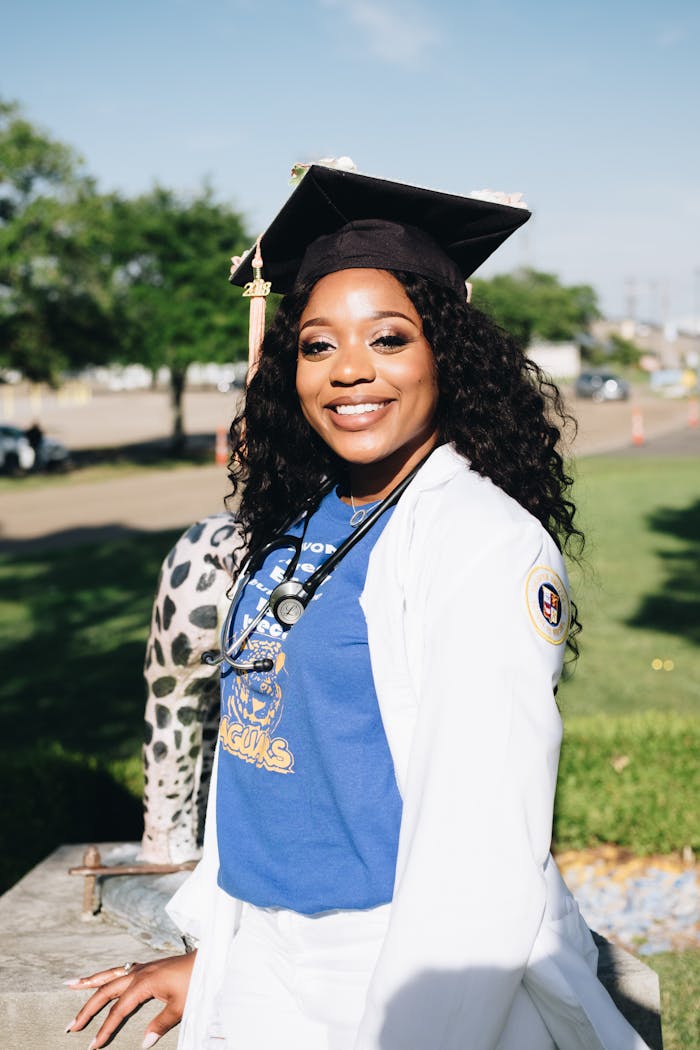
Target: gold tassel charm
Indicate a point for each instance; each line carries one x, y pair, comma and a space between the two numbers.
257, 291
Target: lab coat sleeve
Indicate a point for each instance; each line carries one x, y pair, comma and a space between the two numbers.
205, 912
478, 795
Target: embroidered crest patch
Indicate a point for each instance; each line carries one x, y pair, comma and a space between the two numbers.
548, 604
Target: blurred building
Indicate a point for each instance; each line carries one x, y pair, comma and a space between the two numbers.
557, 360
667, 345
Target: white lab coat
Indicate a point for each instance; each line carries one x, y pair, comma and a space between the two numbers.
484, 942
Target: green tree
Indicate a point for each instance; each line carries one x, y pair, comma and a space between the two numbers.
532, 305
172, 303
624, 352
54, 272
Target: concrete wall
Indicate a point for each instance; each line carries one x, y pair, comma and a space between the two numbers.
45, 942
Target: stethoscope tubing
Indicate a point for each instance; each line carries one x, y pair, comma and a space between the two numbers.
228, 652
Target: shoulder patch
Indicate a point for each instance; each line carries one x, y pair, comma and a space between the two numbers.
548, 604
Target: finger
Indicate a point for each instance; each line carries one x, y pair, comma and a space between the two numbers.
125, 1005
111, 990
96, 980
161, 1023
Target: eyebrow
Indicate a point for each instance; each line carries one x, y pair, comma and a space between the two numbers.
377, 316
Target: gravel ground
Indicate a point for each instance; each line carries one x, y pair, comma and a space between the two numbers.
645, 904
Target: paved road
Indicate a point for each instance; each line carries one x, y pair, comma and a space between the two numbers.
60, 514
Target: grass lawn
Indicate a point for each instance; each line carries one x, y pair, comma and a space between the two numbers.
629, 769
679, 977
73, 624
638, 590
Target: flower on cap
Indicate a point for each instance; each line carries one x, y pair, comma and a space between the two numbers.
236, 261
341, 163
513, 200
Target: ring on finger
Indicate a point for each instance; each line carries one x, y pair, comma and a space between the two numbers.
128, 967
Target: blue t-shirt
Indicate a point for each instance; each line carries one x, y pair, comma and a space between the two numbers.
308, 810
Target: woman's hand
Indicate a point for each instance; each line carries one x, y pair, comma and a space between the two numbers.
163, 979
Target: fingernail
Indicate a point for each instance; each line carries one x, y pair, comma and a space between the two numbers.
150, 1040
73, 980
70, 1025
92, 1045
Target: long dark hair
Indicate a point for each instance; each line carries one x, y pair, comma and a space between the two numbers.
496, 407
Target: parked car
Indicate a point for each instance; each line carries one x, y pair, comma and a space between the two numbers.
25, 450
16, 453
602, 386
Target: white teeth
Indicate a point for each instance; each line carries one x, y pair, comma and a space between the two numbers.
358, 410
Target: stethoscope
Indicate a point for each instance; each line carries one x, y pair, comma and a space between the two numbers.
290, 597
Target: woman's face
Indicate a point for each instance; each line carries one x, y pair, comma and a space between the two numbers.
366, 376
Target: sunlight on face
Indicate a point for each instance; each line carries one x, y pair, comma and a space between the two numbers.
365, 373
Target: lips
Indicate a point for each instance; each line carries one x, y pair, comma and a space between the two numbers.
356, 415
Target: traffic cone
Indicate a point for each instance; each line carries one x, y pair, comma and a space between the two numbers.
693, 413
221, 449
637, 427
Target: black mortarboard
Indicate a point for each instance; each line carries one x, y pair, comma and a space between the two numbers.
336, 220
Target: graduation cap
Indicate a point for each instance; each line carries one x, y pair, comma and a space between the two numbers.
338, 219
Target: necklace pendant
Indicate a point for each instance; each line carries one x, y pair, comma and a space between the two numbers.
358, 517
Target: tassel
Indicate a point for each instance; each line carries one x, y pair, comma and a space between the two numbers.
257, 291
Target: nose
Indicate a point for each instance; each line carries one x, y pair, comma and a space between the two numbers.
352, 362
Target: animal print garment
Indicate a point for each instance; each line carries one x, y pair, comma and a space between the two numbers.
182, 707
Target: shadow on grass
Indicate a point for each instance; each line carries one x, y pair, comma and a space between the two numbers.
51, 798
198, 448
80, 536
73, 626
676, 607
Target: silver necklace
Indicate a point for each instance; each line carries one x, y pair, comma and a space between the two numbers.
359, 513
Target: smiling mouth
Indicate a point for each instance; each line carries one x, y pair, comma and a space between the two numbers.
358, 410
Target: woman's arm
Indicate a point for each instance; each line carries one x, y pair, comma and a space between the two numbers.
164, 979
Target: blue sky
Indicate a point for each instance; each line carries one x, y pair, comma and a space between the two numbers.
592, 110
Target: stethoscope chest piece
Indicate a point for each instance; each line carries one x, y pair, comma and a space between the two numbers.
287, 602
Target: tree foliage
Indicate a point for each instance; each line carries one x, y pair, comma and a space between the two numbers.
87, 278
616, 351
173, 306
54, 287
29, 161
533, 305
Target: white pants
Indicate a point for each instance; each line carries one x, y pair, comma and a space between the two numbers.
299, 981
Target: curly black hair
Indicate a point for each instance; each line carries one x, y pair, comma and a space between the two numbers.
495, 406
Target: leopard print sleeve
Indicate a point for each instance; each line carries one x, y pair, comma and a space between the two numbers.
182, 706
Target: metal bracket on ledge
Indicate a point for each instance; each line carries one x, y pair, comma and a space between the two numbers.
92, 866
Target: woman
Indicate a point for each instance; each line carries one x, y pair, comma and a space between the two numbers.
376, 869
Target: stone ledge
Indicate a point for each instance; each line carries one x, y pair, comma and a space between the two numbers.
634, 988
45, 942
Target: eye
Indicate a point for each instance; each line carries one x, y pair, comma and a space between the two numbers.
315, 348
389, 341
